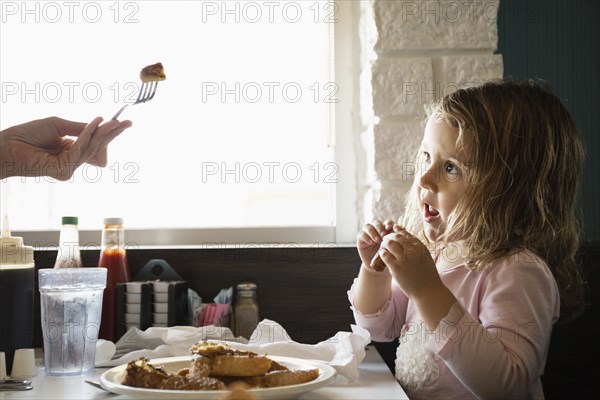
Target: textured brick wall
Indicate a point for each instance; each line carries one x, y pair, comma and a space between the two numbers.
421, 50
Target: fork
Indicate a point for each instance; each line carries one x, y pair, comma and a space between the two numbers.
7, 385
147, 91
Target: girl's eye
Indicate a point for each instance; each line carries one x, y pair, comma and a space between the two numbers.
426, 157
452, 169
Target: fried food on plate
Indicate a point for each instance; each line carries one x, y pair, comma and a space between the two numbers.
235, 365
238, 391
200, 366
177, 382
141, 374
273, 379
216, 366
210, 349
286, 378
225, 361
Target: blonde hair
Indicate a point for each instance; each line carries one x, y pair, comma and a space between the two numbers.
525, 160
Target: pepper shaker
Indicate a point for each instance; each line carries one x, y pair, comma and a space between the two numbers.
246, 309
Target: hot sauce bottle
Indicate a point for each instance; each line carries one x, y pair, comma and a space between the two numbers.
114, 258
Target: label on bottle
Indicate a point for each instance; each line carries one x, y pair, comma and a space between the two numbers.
17, 282
117, 271
246, 317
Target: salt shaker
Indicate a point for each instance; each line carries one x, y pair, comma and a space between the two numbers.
246, 309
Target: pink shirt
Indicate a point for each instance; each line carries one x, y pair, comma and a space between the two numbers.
492, 344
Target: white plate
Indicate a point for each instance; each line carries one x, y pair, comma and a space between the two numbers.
326, 376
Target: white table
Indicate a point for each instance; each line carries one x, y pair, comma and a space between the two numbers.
375, 382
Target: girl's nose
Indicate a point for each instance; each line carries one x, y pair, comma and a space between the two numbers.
428, 178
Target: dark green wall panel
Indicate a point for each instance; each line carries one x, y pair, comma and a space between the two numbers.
559, 41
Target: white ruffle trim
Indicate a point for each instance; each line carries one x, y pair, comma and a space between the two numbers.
415, 365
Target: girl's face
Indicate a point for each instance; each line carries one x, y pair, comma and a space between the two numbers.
441, 181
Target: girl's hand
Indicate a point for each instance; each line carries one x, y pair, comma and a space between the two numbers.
370, 238
409, 262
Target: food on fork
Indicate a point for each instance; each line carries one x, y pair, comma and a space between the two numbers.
216, 366
153, 73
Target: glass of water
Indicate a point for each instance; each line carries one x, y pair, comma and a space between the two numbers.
71, 308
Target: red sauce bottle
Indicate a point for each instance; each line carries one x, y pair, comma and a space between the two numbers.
113, 257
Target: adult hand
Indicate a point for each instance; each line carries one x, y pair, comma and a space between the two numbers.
40, 148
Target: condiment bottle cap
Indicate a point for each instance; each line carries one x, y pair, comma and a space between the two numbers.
70, 220
12, 249
243, 286
113, 221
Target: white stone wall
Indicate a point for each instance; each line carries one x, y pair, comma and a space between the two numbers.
422, 51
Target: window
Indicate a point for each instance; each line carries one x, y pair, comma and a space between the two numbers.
239, 142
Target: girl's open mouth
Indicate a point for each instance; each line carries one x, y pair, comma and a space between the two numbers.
430, 213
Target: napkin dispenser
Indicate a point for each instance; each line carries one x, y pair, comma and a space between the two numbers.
162, 298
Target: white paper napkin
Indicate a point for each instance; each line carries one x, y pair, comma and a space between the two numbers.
344, 351
105, 350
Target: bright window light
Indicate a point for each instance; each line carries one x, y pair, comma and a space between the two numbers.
240, 135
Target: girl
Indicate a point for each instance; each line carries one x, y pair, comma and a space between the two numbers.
475, 276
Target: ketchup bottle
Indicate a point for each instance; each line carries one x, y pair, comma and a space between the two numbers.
114, 258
